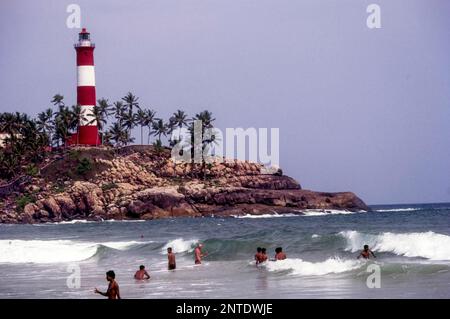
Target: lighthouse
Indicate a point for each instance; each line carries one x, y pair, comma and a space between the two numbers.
87, 133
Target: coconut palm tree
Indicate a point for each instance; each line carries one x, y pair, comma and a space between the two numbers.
160, 128
131, 101
77, 116
141, 119
206, 135
100, 114
118, 110
150, 119
177, 121
116, 132
45, 123
58, 100
129, 121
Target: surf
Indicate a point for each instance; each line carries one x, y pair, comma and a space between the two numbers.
297, 266
55, 251
429, 245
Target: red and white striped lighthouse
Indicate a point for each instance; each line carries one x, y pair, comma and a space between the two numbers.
87, 132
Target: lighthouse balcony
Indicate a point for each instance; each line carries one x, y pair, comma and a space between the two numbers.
84, 44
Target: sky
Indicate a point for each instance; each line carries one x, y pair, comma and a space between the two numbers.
359, 109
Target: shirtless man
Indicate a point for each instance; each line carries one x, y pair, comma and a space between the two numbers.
264, 256
113, 287
198, 254
141, 274
171, 258
279, 254
366, 253
258, 255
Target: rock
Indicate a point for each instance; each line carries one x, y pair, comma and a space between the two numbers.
51, 206
137, 182
30, 209
66, 204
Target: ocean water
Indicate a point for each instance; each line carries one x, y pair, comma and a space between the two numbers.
412, 244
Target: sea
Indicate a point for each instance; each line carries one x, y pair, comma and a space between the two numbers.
70, 259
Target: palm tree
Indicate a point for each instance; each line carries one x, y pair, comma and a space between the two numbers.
160, 128
128, 122
77, 117
144, 117
12, 124
58, 100
150, 119
118, 110
207, 120
177, 120
130, 102
100, 114
116, 133
45, 123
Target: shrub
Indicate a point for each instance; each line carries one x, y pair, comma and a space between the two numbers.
84, 166
32, 170
23, 200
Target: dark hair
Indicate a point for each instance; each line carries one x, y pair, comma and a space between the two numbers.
110, 273
366, 246
263, 250
258, 249
169, 248
278, 250
141, 267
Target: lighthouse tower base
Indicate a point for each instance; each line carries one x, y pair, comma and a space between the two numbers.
86, 135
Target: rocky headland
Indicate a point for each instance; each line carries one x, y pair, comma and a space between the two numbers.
142, 182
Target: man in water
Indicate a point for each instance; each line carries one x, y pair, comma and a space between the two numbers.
141, 274
198, 254
258, 255
279, 254
113, 287
366, 253
171, 258
264, 256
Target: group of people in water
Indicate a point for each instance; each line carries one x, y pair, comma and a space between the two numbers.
142, 274
261, 255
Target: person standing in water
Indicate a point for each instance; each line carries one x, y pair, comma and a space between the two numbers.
264, 256
141, 274
366, 253
171, 258
198, 254
258, 255
113, 287
279, 254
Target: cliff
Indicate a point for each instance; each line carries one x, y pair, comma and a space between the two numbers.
141, 182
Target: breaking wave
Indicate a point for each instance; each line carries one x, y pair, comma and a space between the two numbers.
54, 251
428, 245
180, 245
409, 209
298, 266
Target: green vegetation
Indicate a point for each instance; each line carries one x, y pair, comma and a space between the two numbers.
84, 166
32, 170
23, 200
28, 141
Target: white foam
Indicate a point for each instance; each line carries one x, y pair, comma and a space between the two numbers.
324, 212
53, 251
428, 245
315, 236
297, 266
180, 245
274, 215
409, 209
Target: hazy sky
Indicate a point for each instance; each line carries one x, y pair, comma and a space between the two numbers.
359, 109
